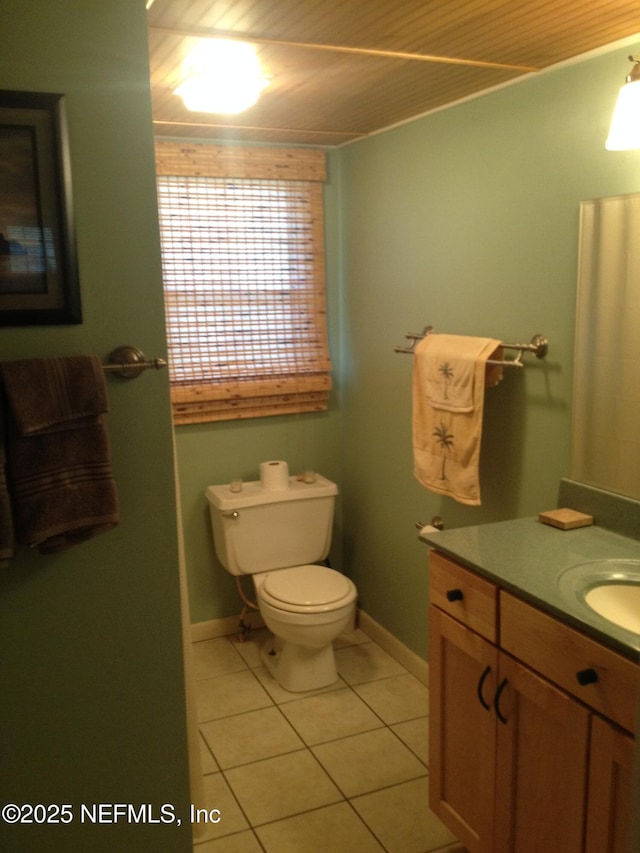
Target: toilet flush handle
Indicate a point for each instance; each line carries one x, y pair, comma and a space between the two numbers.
232, 514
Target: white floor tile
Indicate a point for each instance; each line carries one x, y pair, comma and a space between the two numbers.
249, 648
415, 733
207, 761
215, 657
369, 761
241, 842
401, 819
365, 662
396, 699
249, 737
280, 787
217, 795
329, 716
280, 695
229, 694
334, 829
280, 766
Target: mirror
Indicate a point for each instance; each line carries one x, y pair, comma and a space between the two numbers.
605, 428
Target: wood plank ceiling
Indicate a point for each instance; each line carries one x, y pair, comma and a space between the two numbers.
342, 69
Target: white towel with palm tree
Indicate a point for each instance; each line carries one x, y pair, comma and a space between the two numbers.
449, 379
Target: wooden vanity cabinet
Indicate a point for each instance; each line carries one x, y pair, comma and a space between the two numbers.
610, 785
462, 732
541, 769
518, 764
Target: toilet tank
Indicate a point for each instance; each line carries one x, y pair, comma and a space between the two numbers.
257, 530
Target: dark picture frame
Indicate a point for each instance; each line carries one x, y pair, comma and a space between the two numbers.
38, 267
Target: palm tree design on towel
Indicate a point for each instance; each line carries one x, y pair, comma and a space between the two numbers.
446, 371
445, 440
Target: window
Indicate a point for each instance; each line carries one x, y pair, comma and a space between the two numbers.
242, 242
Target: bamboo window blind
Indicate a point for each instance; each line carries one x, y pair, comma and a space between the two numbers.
243, 268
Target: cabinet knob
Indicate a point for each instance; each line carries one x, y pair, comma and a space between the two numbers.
587, 676
454, 595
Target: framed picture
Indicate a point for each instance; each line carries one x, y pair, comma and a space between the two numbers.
38, 267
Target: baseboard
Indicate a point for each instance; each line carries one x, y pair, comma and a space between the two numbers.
214, 628
393, 646
227, 625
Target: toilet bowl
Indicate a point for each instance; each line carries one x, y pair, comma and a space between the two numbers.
306, 608
279, 536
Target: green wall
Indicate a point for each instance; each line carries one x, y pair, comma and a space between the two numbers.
91, 675
466, 220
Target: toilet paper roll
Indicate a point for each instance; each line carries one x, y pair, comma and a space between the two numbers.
274, 475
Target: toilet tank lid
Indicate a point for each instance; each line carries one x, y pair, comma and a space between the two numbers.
253, 493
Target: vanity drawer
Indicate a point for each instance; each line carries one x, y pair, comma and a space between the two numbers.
558, 652
462, 594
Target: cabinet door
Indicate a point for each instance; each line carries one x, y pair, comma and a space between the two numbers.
542, 739
610, 779
462, 728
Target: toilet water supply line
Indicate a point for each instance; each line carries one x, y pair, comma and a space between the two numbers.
244, 626
251, 604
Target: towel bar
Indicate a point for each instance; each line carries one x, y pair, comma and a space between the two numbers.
128, 362
539, 346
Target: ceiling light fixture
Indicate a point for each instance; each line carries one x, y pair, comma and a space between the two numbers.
624, 133
221, 76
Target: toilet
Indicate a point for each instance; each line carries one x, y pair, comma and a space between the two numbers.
277, 530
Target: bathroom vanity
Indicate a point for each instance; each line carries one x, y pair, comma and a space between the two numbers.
533, 695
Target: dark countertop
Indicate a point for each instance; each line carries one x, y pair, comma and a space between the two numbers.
527, 557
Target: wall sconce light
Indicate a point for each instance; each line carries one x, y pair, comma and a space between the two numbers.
624, 132
221, 76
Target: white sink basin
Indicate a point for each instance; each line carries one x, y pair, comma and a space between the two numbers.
610, 588
618, 602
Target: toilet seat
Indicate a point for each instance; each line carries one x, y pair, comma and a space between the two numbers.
307, 589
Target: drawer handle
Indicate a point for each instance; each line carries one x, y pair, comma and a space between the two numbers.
587, 676
454, 595
483, 677
496, 701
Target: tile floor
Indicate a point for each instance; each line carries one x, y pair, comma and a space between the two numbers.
341, 769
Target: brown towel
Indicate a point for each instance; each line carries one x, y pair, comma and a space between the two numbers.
58, 461
52, 394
